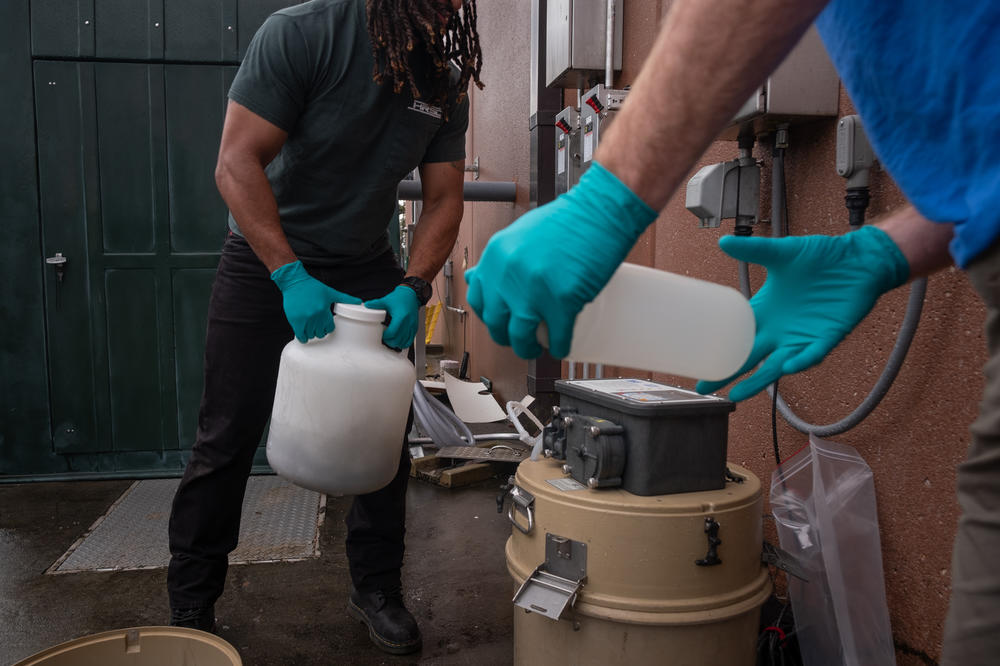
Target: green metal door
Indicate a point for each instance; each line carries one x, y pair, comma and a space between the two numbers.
131, 225
118, 238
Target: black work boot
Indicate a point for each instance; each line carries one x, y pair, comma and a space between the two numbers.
200, 617
391, 627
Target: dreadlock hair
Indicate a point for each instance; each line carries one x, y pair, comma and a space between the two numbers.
398, 27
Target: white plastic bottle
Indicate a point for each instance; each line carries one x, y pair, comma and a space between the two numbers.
340, 407
654, 320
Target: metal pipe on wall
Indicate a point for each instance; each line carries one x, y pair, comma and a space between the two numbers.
472, 190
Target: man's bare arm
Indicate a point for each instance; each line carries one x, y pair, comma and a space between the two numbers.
249, 143
705, 63
440, 218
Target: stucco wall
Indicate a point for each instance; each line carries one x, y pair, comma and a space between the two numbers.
913, 441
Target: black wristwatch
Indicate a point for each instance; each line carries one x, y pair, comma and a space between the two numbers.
421, 287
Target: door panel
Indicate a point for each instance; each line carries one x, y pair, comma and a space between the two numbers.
130, 29
201, 30
128, 112
126, 323
131, 206
62, 28
197, 213
133, 353
60, 86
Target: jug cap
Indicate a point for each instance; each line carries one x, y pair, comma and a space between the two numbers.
359, 313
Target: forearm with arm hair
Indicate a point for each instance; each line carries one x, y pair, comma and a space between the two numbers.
924, 243
434, 238
706, 61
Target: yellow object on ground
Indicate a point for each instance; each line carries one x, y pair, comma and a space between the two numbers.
430, 320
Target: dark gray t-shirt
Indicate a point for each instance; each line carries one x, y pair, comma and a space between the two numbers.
308, 70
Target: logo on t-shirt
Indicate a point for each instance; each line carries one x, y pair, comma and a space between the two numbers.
426, 109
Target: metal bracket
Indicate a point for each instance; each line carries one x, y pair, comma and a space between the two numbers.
783, 560
474, 168
553, 586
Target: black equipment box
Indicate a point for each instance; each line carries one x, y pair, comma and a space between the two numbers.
660, 440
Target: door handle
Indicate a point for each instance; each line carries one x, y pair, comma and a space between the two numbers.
59, 263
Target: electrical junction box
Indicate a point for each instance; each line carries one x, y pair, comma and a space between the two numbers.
727, 190
598, 107
855, 155
575, 38
567, 149
645, 437
805, 86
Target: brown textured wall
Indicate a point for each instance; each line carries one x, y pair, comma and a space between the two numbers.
498, 135
918, 434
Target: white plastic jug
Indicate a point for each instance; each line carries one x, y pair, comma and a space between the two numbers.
340, 407
664, 322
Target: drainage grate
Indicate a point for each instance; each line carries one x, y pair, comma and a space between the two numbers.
280, 523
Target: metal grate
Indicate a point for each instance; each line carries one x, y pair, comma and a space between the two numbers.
500, 452
280, 523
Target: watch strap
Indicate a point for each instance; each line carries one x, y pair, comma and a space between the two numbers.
421, 288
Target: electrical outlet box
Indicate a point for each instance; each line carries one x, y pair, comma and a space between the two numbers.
575, 37
854, 153
598, 107
804, 87
567, 149
727, 190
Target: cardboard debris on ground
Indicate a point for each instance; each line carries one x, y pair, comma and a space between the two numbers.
472, 402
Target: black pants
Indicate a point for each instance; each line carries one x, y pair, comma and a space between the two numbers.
247, 330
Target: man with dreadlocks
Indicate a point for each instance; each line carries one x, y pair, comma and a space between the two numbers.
334, 103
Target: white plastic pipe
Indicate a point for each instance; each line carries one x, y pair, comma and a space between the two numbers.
609, 46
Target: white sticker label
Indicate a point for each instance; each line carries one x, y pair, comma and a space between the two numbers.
588, 145
566, 484
618, 385
561, 160
642, 391
426, 109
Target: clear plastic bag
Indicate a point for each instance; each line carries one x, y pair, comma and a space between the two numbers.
823, 501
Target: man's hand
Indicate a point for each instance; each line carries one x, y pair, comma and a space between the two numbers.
403, 307
818, 289
554, 260
307, 301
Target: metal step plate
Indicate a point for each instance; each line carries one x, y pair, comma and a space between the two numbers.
280, 523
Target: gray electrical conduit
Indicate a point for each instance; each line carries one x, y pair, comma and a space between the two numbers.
908, 329
442, 425
439, 422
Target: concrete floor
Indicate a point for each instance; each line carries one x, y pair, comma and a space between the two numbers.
455, 582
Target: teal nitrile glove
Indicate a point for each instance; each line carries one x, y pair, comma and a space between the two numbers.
307, 301
554, 260
403, 307
818, 289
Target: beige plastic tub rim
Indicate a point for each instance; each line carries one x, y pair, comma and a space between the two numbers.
164, 646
